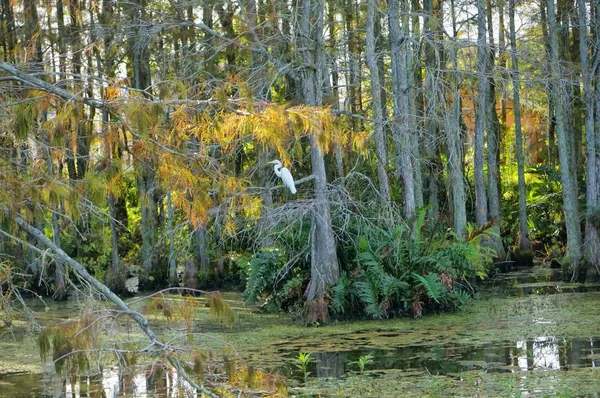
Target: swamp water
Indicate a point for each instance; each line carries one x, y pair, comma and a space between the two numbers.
528, 335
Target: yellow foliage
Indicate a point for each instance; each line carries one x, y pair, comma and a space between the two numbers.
360, 141
160, 303
116, 184
111, 93
22, 120
70, 344
229, 227
143, 117
187, 306
219, 309
251, 206
111, 136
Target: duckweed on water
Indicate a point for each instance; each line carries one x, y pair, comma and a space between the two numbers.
531, 345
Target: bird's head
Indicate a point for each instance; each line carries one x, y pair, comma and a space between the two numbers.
276, 162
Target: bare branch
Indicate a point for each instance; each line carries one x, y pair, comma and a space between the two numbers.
45, 86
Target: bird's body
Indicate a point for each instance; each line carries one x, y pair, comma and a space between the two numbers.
285, 175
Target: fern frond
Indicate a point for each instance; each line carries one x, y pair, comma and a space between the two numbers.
368, 293
432, 285
475, 232
341, 293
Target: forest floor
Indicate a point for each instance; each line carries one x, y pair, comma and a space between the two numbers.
527, 334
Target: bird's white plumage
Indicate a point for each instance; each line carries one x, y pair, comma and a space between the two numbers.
285, 175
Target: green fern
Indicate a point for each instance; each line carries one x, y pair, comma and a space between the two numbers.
432, 285
342, 293
262, 273
459, 297
377, 288
368, 293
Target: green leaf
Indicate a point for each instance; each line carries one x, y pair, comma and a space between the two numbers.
432, 285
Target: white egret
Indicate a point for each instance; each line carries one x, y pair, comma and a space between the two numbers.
285, 175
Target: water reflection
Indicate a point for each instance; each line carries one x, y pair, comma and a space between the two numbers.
539, 353
525, 281
544, 353
158, 381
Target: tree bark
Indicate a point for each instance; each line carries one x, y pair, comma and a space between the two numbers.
201, 253
592, 235
595, 27
481, 208
569, 186
415, 97
401, 82
454, 144
172, 262
493, 143
376, 103
552, 150
324, 263
524, 242
433, 65
9, 39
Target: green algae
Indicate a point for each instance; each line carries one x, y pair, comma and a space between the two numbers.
477, 351
396, 383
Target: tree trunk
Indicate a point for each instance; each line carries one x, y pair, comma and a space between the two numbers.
493, 145
201, 252
146, 184
454, 144
8, 32
552, 150
504, 91
592, 235
226, 17
524, 243
60, 277
595, 8
433, 101
401, 82
264, 177
415, 98
335, 95
207, 19
569, 186
376, 103
324, 263
353, 67
172, 262
481, 209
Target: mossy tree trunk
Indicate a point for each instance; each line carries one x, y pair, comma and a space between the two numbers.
454, 140
376, 103
592, 235
493, 141
324, 263
524, 242
401, 82
481, 205
567, 175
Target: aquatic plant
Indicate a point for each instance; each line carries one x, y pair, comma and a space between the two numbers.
362, 361
302, 361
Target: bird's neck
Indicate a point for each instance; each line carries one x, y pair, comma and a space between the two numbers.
277, 169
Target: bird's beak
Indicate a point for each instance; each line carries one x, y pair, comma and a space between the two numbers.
272, 162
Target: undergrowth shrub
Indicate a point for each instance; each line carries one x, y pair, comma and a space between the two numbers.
545, 213
400, 271
274, 279
388, 267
